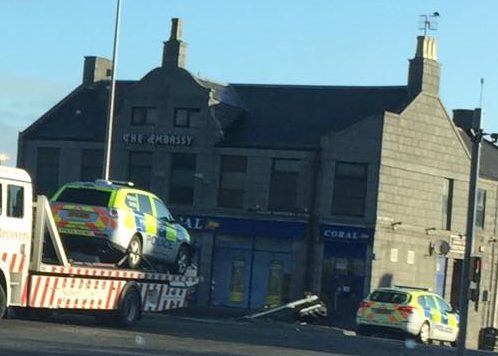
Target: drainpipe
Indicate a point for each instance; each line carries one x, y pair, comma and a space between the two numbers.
312, 235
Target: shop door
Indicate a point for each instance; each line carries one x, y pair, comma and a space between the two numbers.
343, 278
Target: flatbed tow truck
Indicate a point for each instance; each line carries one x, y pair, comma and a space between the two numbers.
36, 276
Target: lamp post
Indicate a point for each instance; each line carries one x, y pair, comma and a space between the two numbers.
110, 116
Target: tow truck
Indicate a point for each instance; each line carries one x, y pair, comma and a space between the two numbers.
36, 276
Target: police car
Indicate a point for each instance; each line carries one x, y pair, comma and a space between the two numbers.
411, 311
112, 220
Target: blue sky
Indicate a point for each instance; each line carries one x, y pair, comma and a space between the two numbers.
323, 42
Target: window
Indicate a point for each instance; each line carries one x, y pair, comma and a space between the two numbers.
275, 283
183, 116
350, 188
47, 170
181, 189
131, 201
86, 196
144, 204
389, 297
91, 164
162, 211
430, 302
15, 201
480, 208
237, 280
444, 307
139, 169
232, 180
447, 203
143, 116
283, 186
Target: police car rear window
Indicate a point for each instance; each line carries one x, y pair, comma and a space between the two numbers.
389, 297
84, 196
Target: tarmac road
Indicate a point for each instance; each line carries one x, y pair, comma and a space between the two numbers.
170, 335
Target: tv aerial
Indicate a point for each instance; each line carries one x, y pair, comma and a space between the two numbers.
428, 22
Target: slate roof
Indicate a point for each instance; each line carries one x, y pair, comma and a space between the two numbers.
488, 167
80, 116
295, 116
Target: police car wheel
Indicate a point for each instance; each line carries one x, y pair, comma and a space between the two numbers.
134, 252
424, 333
3, 302
129, 307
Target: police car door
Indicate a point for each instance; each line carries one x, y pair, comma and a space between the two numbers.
167, 234
148, 223
448, 327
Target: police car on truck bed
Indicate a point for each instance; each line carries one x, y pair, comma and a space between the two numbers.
37, 277
112, 219
407, 310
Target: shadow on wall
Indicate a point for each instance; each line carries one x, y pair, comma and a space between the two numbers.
386, 280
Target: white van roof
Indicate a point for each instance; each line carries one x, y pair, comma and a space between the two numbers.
14, 174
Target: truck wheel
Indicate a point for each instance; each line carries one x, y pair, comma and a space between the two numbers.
182, 260
134, 252
3, 302
129, 306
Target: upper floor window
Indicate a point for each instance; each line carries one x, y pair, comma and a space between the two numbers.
232, 181
143, 116
15, 201
183, 116
47, 170
91, 164
447, 203
139, 168
181, 188
480, 208
283, 186
350, 188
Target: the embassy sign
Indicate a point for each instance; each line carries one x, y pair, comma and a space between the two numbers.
157, 139
345, 233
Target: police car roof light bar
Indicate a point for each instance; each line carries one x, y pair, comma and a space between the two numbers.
410, 287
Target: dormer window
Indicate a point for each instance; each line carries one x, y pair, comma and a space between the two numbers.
143, 116
183, 116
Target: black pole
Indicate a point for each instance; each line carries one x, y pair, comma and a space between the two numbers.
471, 217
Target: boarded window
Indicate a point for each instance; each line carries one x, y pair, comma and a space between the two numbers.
47, 170
181, 189
91, 164
350, 188
283, 186
232, 181
139, 169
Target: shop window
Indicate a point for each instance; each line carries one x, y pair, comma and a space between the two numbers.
283, 186
143, 116
91, 164
47, 170
232, 181
183, 116
15, 201
237, 281
139, 169
447, 203
350, 188
480, 208
275, 283
181, 189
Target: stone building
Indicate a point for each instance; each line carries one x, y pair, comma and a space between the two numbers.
288, 188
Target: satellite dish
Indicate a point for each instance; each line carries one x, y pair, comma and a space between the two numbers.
441, 247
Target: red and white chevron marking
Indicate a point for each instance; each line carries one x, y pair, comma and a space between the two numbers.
99, 294
159, 297
119, 273
15, 262
74, 293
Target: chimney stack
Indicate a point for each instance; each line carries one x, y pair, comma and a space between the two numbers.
96, 69
174, 49
424, 70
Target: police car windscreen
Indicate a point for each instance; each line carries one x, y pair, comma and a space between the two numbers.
84, 196
389, 297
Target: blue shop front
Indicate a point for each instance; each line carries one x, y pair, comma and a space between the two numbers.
251, 260
346, 256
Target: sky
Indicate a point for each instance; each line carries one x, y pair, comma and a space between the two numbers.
314, 42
